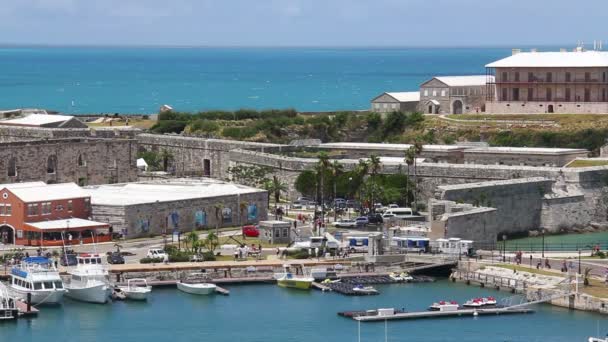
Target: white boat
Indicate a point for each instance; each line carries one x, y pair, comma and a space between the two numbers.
474, 303
197, 288
365, 289
489, 301
597, 339
8, 308
195, 284
444, 306
403, 277
89, 281
136, 289
38, 277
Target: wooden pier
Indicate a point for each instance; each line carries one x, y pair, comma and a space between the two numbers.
443, 314
24, 311
321, 287
222, 291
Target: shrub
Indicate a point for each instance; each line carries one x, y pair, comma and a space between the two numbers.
179, 256
239, 132
300, 254
601, 254
169, 126
209, 256
147, 260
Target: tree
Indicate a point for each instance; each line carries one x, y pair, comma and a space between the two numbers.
336, 170
410, 158
211, 242
219, 216
306, 183
322, 167
586, 274
250, 175
275, 187
361, 171
152, 159
375, 165
192, 239
417, 149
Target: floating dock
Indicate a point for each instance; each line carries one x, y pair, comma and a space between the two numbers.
364, 317
24, 311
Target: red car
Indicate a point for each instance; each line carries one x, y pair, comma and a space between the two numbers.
251, 231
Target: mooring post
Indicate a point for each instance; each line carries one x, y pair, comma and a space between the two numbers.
29, 302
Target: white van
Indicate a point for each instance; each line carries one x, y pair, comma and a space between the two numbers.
400, 213
157, 253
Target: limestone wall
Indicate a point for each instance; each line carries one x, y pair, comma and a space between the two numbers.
16, 133
103, 161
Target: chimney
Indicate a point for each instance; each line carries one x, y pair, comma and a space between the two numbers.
515, 52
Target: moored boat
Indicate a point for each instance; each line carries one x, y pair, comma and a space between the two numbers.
365, 289
193, 286
290, 280
89, 281
444, 306
136, 289
8, 307
37, 277
402, 277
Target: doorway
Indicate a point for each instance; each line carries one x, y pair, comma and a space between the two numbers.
7, 235
457, 107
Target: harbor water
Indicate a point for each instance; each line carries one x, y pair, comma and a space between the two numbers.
95, 80
267, 313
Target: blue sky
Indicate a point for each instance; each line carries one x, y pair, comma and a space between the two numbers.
303, 22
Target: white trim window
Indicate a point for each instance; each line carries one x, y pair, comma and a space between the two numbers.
46, 208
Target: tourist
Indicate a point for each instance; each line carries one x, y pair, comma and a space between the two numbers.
260, 248
538, 264
236, 254
278, 251
547, 264
564, 267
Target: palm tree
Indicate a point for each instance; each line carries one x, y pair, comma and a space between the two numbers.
410, 158
275, 187
323, 165
219, 216
165, 156
361, 170
242, 209
192, 238
375, 165
211, 242
336, 169
586, 274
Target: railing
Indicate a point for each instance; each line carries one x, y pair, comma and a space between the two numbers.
512, 246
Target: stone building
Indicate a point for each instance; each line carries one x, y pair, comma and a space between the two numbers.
406, 102
79, 160
454, 94
176, 206
549, 82
523, 156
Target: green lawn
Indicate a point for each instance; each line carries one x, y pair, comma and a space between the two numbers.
588, 163
530, 270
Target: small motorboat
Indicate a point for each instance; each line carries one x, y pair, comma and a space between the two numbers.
290, 280
474, 303
195, 284
444, 306
365, 289
403, 277
136, 289
489, 301
597, 339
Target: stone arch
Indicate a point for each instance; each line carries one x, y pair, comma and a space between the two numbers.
457, 107
7, 234
82, 160
12, 167
51, 164
433, 107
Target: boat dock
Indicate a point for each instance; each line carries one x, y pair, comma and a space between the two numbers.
321, 287
437, 314
26, 310
222, 291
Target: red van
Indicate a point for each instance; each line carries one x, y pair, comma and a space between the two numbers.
251, 231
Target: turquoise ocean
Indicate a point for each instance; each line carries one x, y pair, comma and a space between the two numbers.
140, 80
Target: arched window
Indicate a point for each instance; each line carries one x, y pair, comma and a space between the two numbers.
51, 164
81, 160
12, 167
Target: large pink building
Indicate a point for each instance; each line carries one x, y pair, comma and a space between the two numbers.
549, 82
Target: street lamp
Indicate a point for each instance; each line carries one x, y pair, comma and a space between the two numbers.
579, 261
504, 247
543, 248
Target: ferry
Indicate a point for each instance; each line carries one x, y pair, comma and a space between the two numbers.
89, 281
37, 276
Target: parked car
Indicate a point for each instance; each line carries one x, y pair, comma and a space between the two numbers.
345, 223
352, 204
68, 260
250, 231
115, 258
362, 220
387, 216
375, 219
157, 253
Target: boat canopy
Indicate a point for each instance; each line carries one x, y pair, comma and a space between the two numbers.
36, 260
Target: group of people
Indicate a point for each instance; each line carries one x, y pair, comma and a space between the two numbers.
244, 251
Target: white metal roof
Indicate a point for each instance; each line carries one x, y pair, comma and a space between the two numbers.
71, 223
464, 81
574, 59
381, 146
162, 191
525, 150
41, 192
409, 96
37, 119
